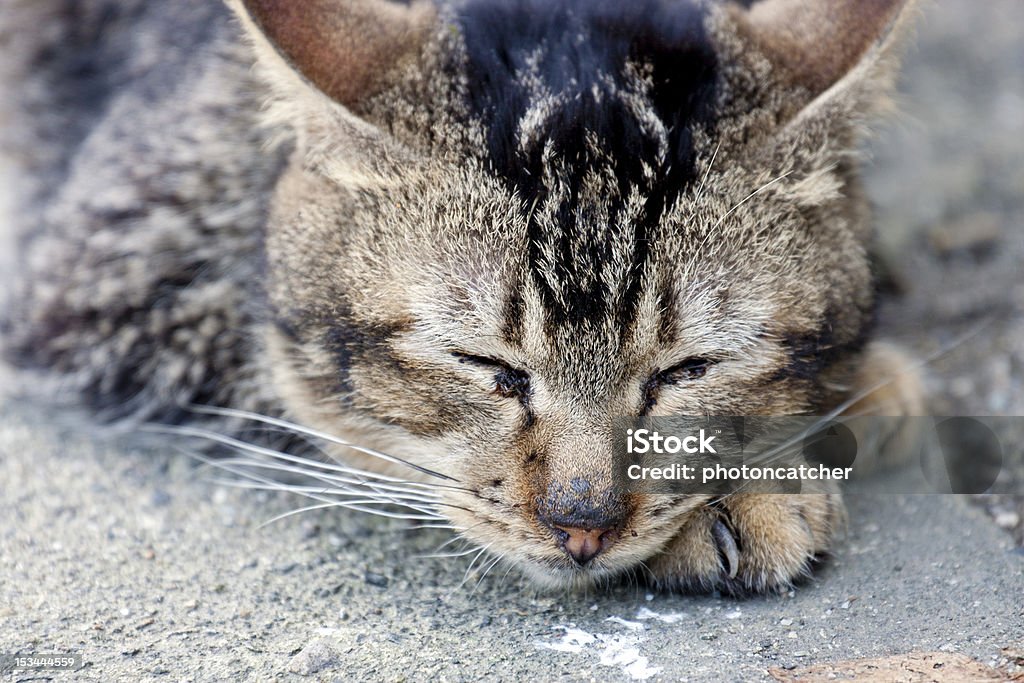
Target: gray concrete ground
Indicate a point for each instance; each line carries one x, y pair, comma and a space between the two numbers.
149, 571
134, 559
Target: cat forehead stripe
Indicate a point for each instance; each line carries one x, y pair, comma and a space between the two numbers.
589, 112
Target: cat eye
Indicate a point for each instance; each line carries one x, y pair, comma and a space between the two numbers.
692, 368
509, 382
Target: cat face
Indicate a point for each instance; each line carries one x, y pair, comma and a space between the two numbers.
507, 225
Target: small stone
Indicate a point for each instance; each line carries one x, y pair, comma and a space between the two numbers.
328, 591
375, 579
976, 234
160, 498
314, 658
785, 622
1007, 519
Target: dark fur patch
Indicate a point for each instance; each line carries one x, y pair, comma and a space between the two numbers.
512, 319
577, 504
584, 43
349, 340
811, 353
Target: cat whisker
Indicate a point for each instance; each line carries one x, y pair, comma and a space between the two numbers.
504, 577
315, 433
707, 172
650, 573
748, 198
251, 480
463, 553
416, 500
290, 513
232, 442
483, 575
459, 537
318, 492
315, 494
357, 506
472, 563
361, 486
227, 441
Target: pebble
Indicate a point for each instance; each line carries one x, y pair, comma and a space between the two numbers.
160, 498
375, 579
328, 591
1007, 519
314, 658
974, 234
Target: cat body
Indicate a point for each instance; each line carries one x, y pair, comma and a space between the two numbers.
469, 237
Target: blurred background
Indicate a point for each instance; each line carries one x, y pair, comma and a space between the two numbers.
947, 179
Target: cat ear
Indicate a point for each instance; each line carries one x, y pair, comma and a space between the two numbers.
820, 44
346, 48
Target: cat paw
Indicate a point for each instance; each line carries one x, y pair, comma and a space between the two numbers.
749, 543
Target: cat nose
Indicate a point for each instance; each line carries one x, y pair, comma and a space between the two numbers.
584, 519
583, 545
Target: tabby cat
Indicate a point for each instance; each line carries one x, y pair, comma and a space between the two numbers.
453, 242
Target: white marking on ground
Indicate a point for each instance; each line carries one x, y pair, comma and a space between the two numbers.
622, 651
631, 625
645, 614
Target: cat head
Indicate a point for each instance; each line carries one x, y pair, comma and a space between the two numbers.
507, 223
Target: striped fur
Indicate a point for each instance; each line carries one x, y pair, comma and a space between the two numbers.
523, 221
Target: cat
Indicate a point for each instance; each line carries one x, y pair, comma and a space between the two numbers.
453, 242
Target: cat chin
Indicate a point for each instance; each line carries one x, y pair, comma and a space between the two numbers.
563, 574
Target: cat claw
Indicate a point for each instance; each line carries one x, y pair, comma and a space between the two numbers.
727, 547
